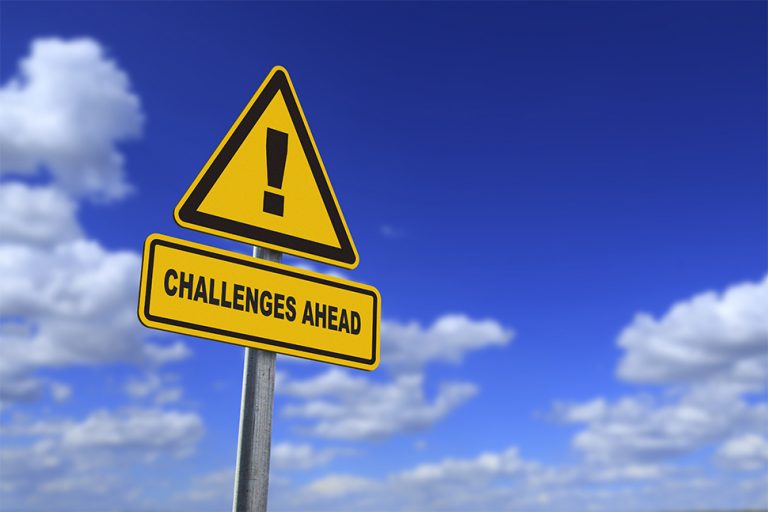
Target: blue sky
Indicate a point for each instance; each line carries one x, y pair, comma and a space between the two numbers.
563, 206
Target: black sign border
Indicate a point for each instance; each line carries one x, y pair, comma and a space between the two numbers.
189, 213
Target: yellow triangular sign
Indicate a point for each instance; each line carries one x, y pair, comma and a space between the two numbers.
266, 185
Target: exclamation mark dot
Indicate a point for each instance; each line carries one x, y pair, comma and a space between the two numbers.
277, 150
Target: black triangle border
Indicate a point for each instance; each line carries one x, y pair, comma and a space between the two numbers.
189, 213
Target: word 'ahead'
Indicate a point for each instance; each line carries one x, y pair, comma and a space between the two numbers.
193, 289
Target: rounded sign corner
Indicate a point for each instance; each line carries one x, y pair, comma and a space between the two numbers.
277, 68
373, 365
177, 215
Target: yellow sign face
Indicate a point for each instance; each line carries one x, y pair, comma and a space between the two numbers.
193, 289
266, 185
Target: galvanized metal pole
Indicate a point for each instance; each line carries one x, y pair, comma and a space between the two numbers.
255, 439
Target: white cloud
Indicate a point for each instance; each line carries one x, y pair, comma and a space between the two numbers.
756, 486
213, 491
64, 299
586, 412
156, 386
153, 431
76, 280
19, 388
747, 452
451, 484
150, 431
709, 353
345, 407
300, 456
65, 110
75, 305
485, 465
89, 459
705, 336
504, 480
335, 485
640, 429
408, 347
341, 406
141, 388
627, 472
60, 391
41, 216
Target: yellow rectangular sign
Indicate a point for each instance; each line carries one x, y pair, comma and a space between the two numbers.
193, 289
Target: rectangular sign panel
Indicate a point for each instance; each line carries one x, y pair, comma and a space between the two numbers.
193, 289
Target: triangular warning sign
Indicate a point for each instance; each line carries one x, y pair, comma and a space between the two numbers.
266, 185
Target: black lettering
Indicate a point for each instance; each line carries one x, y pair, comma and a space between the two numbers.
186, 284
319, 314
291, 314
168, 275
212, 299
252, 300
344, 321
237, 297
279, 306
355, 322
224, 302
266, 305
200, 291
307, 318
332, 318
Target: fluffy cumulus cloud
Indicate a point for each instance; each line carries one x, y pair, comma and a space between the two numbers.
159, 388
64, 298
643, 429
335, 404
65, 111
36, 216
746, 452
154, 431
711, 334
483, 466
408, 347
342, 406
300, 456
709, 355
69, 464
73, 304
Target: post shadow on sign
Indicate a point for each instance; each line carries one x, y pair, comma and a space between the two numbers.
277, 151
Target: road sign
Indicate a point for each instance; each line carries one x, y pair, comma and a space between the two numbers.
193, 289
266, 185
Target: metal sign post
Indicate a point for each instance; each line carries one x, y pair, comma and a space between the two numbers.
255, 439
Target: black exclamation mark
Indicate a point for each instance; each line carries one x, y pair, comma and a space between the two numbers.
277, 150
